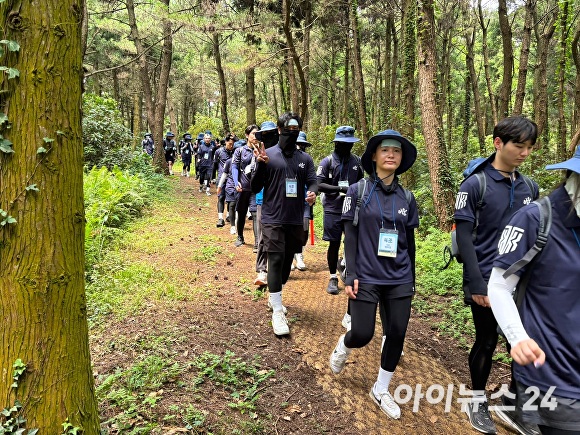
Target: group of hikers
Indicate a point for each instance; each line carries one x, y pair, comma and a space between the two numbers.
509, 242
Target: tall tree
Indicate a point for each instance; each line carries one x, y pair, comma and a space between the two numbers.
508, 59
409, 66
479, 116
524, 57
484, 24
294, 59
561, 95
358, 72
439, 170
43, 319
215, 38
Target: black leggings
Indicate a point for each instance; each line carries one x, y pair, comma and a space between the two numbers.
279, 264
186, 165
480, 357
221, 203
242, 209
232, 212
332, 256
395, 322
547, 430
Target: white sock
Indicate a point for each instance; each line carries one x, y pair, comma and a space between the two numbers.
276, 301
383, 381
478, 397
220, 215
342, 346
333, 275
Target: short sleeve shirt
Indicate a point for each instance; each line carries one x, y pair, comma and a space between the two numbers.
222, 155
395, 213
551, 305
205, 154
277, 208
500, 202
243, 160
332, 170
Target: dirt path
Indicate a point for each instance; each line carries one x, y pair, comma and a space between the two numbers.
315, 326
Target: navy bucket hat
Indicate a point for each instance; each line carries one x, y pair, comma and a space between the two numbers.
169, 134
572, 164
409, 151
265, 126
302, 139
200, 136
187, 136
345, 133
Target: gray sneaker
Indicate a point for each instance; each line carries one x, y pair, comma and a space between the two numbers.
480, 418
332, 286
512, 419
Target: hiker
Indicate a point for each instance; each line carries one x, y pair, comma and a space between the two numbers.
226, 186
285, 173
170, 150
196, 145
380, 252
205, 154
544, 335
242, 166
335, 174
186, 154
268, 137
147, 144
221, 156
302, 144
506, 191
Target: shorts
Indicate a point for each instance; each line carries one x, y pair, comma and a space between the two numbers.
205, 173
373, 292
231, 194
565, 416
169, 157
333, 227
282, 238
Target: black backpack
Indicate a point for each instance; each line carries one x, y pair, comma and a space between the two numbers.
168, 145
362, 185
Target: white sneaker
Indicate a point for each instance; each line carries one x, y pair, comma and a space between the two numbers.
284, 309
338, 357
232, 230
300, 261
292, 267
207, 192
261, 279
386, 403
187, 174
279, 323
346, 322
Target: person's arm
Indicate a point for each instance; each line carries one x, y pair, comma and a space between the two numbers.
410, 234
350, 251
329, 188
236, 166
464, 231
524, 349
258, 177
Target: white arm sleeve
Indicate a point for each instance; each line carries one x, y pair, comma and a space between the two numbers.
222, 180
499, 291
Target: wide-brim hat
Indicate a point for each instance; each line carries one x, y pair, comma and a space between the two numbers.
572, 164
148, 134
302, 139
345, 133
409, 151
200, 136
169, 134
187, 136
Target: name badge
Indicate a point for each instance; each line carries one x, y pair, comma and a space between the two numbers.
388, 241
206, 156
343, 184
291, 188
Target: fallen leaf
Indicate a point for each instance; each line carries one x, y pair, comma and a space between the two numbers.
287, 418
433, 419
293, 408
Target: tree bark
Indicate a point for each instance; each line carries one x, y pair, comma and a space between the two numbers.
485, 50
358, 72
251, 96
524, 57
42, 297
346, 96
215, 37
508, 59
561, 96
409, 62
294, 60
576, 58
479, 117
439, 170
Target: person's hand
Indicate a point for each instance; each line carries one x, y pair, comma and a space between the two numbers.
310, 197
343, 189
260, 153
238, 187
351, 291
219, 190
481, 300
528, 351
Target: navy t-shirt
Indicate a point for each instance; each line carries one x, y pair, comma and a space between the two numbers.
205, 154
221, 156
551, 305
396, 213
332, 170
242, 166
500, 202
276, 207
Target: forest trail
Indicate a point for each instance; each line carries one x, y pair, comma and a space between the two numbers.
315, 325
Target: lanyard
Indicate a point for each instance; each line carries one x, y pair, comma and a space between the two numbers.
576, 237
340, 178
381, 210
286, 163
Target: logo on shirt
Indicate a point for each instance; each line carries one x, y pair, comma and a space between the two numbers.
319, 170
461, 200
403, 211
301, 165
527, 200
509, 239
347, 204
355, 168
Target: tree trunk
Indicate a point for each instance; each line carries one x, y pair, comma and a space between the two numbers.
285, 103
562, 132
42, 299
275, 98
251, 96
466, 115
333, 99
576, 58
543, 37
486, 67
508, 59
479, 117
136, 120
307, 5
171, 113
524, 57
439, 170
294, 60
358, 72
346, 96
215, 37
409, 62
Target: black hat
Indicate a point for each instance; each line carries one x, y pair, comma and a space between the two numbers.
409, 151
187, 136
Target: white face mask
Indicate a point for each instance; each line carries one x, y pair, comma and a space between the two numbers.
572, 186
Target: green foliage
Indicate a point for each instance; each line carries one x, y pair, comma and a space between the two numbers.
11, 422
106, 141
194, 417
18, 369
70, 429
242, 379
204, 123
6, 219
